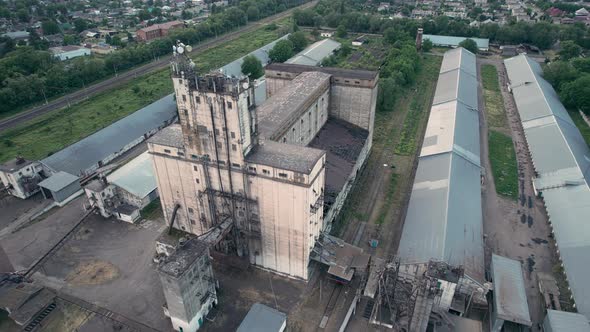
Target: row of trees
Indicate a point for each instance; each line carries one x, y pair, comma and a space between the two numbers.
542, 34
570, 76
29, 75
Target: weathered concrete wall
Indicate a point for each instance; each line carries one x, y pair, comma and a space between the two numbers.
307, 126
350, 103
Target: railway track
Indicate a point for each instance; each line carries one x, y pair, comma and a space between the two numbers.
131, 74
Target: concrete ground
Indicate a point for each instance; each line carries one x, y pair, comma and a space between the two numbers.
506, 234
14, 208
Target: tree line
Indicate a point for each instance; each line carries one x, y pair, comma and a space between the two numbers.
29, 74
570, 76
340, 14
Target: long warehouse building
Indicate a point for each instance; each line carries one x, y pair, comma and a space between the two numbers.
444, 217
561, 159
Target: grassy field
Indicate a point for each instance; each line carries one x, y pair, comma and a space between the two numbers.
582, 126
153, 210
54, 131
496, 115
504, 168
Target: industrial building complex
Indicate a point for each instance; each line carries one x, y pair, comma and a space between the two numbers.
561, 159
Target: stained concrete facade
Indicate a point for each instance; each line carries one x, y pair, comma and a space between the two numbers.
230, 160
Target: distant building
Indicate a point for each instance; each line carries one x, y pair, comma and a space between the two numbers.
62, 187
69, 52
158, 30
21, 177
327, 34
582, 12
315, 53
18, 35
359, 41
126, 191
263, 318
450, 41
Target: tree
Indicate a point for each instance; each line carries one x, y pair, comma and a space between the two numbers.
299, 41
569, 50
80, 25
427, 45
576, 94
559, 72
253, 13
581, 64
282, 51
470, 45
252, 67
49, 28
341, 31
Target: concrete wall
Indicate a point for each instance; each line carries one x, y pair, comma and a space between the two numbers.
309, 124
14, 179
99, 200
62, 195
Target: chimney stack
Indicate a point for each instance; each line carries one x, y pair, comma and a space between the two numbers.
419, 39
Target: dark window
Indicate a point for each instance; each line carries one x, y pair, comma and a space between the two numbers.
180, 81
198, 100
284, 139
192, 221
216, 131
221, 162
283, 175
265, 171
180, 153
234, 147
253, 169
233, 135
235, 165
279, 74
183, 97
346, 81
190, 210
195, 168
197, 180
185, 112
219, 145
194, 156
357, 82
229, 105
167, 151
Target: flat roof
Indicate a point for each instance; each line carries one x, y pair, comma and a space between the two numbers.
337, 72
343, 143
58, 181
176, 264
456, 84
262, 318
170, 136
563, 321
14, 165
510, 301
86, 153
482, 43
290, 157
277, 113
136, 177
561, 159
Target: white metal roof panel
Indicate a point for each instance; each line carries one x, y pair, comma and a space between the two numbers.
262, 318
456, 85
510, 301
136, 177
562, 321
58, 181
452, 126
459, 58
315, 53
482, 43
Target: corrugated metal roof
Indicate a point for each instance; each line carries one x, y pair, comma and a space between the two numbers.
482, 43
234, 68
315, 53
459, 58
456, 84
58, 181
562, 321
561, 158
84, 154
136, 177
444, 217
510, 301
262, 318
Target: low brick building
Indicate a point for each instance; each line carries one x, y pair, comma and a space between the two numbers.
158, 30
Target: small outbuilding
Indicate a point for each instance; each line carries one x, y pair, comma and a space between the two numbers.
262, 318
510, 305
61, 187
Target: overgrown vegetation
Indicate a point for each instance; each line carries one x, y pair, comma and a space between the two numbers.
152, 211
504, 167
582, 125
388, 200
495, 114
50, 133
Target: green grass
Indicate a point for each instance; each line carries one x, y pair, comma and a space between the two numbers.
504, 168
496, 116
52, 132
153, 210
582, 125
418, 107
388, 200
